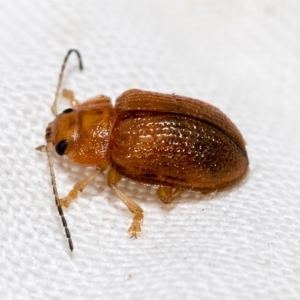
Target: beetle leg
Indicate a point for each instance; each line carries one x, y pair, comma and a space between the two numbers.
79, 187
113, 178
167, 195
70, 96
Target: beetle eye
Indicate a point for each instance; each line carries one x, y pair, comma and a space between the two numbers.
66, 111
61, 147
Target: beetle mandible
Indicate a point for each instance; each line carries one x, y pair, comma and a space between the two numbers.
173, 142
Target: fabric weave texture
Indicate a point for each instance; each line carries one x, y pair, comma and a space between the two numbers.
241, 56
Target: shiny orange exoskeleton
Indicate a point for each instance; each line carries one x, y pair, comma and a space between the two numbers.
173, 142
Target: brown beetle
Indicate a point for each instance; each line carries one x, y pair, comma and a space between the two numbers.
173, 142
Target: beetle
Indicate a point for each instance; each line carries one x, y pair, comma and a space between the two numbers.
173, 142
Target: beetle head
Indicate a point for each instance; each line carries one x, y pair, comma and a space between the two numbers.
82, 133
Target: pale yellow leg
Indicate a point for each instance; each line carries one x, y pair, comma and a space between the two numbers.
113, 178
79, 187
167, 194
70, 96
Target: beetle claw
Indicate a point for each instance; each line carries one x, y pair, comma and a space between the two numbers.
133, 235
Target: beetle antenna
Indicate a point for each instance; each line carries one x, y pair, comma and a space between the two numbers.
61, 75
53, 181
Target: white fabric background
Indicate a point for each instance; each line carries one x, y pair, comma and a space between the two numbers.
243, 57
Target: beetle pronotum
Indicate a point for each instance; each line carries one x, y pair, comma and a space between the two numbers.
170, 141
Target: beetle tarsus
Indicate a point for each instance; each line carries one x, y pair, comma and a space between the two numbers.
70, 96
65, 202
135, 227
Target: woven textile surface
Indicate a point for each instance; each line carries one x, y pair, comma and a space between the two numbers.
241, 56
